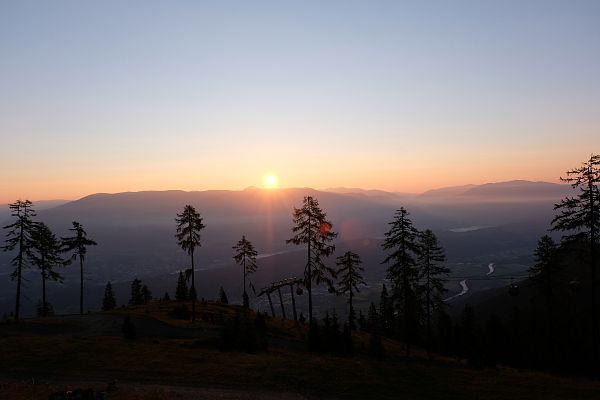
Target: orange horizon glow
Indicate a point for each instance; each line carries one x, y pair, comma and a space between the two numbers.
71, 190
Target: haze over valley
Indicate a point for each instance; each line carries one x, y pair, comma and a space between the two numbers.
496, 223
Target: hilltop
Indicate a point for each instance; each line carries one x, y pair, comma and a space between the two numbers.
172, 358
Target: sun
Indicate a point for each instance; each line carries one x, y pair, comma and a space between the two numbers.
270, 181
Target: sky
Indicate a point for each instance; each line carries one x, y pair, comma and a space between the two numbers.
112, 96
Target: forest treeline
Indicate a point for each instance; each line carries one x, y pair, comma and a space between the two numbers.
556, 327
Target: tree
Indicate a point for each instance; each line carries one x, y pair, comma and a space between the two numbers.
19, 236
246, 257
581, 216
312, 228
44, 253
78, 244
386, 312
189, 225
546, 273
109, 302
401, 244
223, 296
137, 296
146, 294
182, 290
349, 273
432, 274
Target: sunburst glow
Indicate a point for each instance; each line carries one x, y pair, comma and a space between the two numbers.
270, 181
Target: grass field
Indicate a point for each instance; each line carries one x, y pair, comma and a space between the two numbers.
33, 365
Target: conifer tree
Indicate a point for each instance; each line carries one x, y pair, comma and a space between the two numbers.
78, 244
311, 228
182, 290
44, 253
433, 274
246, 257
19, 237
580, 215
546, 273
137, 296
547, 276
386, 312
401, 244
373, 320
189, 226
109, 302
146, 294
223, 296
350, 276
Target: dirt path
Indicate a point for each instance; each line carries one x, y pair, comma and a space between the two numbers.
30, 389
103, 325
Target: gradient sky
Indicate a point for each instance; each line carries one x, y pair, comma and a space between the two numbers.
112, 96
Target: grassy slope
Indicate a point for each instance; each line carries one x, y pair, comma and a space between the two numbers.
181, 363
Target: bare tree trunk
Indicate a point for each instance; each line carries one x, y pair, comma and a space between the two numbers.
194, 294
19, 268
309, 283
595, 331
81, 284
44, 307
428, 309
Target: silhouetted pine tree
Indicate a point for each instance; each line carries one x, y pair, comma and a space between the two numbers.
246, 257
19, 237
401, 244
137, 296
146, 294
182, 291
581, 215
349, 275
546, 274
386, 312
362, 321
109, 302
223, 296
433, 274
373, 319
189, 225
43, 310
44, 253
78, 244
470, 336
312, 228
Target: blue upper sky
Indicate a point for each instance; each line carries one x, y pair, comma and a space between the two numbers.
400, 95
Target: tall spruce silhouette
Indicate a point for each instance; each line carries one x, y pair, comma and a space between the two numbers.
109, 302
312, 228
19, 236
45, 254
189, 226
547, 276
78, 244
181, 291
349, 275
246, 257
433, 274
402, 247
581, 216
137, 296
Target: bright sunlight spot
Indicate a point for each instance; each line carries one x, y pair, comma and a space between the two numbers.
270, 181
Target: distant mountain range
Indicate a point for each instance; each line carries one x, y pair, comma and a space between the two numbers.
477, 224
511, 190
